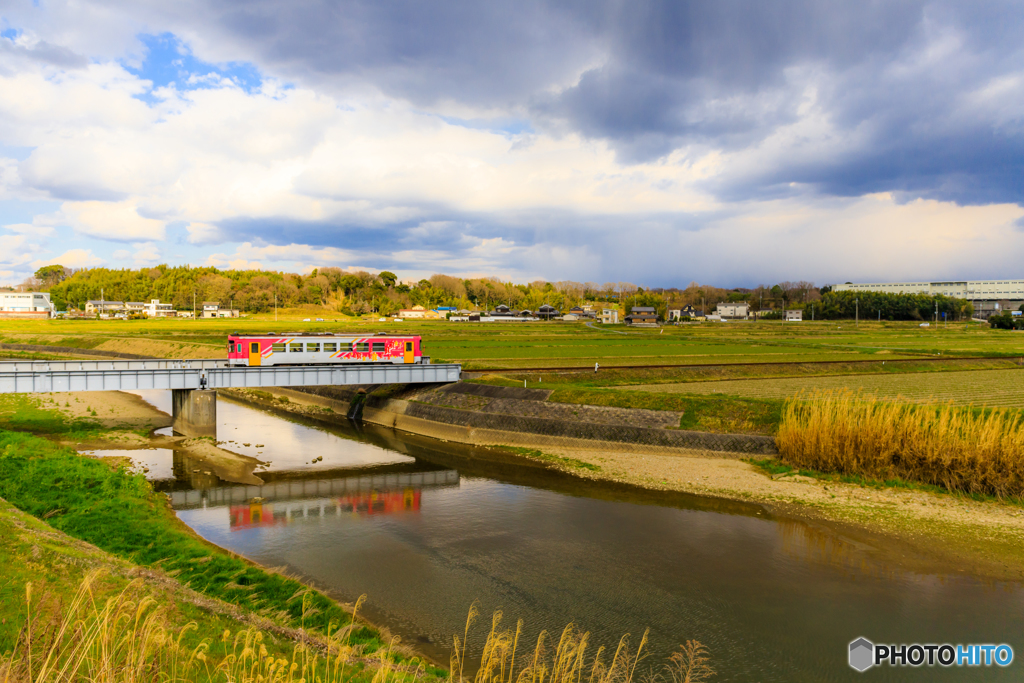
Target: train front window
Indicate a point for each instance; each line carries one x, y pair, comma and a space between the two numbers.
295, 348
312, 348
277, 348
330, 348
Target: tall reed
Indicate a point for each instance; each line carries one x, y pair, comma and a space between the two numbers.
125, 640
958, 447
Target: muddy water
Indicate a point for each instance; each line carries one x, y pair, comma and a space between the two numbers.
424, 529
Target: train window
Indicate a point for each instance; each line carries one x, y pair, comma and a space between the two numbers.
330, 348
295, 348
345, 347
378, 347
277, 348
362, 347
312, 348
408, 346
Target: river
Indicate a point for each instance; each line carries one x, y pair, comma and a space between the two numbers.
424, 529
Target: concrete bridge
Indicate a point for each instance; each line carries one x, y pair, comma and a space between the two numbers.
194, 382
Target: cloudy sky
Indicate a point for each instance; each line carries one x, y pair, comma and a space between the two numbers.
731, 142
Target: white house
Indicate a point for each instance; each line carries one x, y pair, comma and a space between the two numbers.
610, 316
25, 305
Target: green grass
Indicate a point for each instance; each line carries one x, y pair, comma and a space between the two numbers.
700, 413
118, 512
547, 457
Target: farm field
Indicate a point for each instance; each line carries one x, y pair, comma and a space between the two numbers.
992, 388
543, 345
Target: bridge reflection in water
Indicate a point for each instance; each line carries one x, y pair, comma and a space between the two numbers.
289, 500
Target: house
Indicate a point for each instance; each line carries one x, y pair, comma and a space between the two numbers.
93, 306
569, 317
548, 312
686, 311
733, 311
155, 309
26, 305
501, 311
610, 316
642, 315
419, 313
794, 316
581, 312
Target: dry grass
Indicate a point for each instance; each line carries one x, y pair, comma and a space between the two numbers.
125, 640
960, 448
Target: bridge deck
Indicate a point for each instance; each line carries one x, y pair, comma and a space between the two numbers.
122, 375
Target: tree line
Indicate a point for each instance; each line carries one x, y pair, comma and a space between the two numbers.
362, 292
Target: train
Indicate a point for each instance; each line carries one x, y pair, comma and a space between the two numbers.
322, 349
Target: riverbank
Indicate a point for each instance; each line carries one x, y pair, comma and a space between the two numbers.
920, 529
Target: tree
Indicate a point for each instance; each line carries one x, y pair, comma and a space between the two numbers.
49, 276
388, 278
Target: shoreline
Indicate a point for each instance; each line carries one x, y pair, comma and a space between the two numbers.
910, 527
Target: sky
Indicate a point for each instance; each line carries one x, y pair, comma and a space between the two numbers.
733, 143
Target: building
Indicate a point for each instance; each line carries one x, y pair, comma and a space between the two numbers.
155, 309
686, 311
26, 305
548, 312
419, 313
581, 312
610, 316
101, 307
794, 316
733, 311
642, 315
992, 290
212, 309
501, 311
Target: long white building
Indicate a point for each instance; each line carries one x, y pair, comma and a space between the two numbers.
25, 305
971, 289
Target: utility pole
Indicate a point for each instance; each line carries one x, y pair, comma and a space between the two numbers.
275, 307
193, 304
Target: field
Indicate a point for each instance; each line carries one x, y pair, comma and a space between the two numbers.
977, 387
964, 363
554, 344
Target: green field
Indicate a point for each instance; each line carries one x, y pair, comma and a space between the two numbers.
890, 359
554, 344
975, 387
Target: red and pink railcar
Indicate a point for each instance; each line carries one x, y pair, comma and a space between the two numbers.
321, 349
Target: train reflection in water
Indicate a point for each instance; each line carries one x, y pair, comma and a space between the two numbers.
290, 500
256, 514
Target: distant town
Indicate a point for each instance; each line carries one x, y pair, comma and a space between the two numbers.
185, 292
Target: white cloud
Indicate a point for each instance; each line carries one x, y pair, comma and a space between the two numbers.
112, 221
72, 258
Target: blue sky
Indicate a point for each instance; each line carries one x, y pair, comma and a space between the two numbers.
732, 143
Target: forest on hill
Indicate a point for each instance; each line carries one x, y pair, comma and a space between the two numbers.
359, 292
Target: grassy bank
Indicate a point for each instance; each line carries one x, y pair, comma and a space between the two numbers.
961, 449
119, 512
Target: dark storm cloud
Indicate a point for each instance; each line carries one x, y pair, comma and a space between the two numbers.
653, 76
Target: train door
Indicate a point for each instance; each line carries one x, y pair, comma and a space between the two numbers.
410, 356
254, 354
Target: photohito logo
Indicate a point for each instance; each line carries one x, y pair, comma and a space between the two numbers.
864, 654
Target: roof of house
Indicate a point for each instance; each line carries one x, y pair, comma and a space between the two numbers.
643, 309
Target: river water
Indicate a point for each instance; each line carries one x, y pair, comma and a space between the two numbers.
424, 529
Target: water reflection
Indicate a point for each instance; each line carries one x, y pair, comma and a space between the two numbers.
432, 528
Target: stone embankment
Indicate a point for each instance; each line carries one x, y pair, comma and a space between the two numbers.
487, 415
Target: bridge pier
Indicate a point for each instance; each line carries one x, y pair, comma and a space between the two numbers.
194, 411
